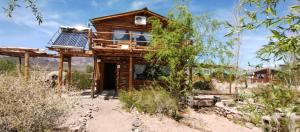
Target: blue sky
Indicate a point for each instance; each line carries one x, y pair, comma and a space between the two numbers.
23, 31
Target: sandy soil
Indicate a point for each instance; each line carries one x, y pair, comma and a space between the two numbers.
107, 115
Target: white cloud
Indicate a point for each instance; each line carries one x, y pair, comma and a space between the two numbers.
95, 3
112, 2
24, 17
139, 4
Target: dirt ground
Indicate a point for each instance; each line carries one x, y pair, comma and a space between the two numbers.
99, 115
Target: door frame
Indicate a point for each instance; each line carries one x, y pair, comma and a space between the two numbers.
117, 73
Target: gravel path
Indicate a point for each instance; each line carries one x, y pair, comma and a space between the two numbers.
96, 115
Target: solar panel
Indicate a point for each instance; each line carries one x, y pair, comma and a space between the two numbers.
75, 39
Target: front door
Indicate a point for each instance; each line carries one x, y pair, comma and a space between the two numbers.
109, 76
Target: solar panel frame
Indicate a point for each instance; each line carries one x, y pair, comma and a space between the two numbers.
71, 39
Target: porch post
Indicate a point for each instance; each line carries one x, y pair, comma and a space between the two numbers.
94, 85
130, 72
60, 72
26, 66
20, 65
98, 74
69, 72
118, 76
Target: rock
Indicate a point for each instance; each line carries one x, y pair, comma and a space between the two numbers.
249, 125
229, 116
136, 123
294, 125
77, 127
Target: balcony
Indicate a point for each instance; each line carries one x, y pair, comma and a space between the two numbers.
127, 41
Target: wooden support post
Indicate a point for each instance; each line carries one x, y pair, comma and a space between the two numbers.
90, 39
26, 66
69, 72
94, 85
98, 74
118, 77
60, 72
130, 72
20, 65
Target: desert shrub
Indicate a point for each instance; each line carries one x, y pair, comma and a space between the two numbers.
266, 100
203, 85
89, 69
29, 106
150, 100
7, 66
81, 80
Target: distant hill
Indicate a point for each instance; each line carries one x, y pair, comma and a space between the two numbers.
51, 64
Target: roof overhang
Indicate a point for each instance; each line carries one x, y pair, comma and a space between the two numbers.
144, 10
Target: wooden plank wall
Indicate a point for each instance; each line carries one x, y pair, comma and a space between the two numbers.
123, 72
120, 23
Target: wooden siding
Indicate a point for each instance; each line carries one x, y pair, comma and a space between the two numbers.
103, 48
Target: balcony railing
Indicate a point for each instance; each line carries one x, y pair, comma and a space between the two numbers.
128, 40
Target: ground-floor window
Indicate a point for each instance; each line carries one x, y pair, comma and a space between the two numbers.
148, 72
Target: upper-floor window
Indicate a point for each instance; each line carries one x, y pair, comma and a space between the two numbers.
140, 38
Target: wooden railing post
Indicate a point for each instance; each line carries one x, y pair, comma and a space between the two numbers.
130, 41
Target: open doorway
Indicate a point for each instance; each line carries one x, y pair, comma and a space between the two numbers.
109, 84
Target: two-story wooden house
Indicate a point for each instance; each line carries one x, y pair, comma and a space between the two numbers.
118, 46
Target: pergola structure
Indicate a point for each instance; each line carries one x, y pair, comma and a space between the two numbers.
69, 42
25, 53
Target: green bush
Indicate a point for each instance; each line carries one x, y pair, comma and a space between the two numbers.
266, 100
29, 106
7, 66
150, 100
275, 96
81, 80
203, 85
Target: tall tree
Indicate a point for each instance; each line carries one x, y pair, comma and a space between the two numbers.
183, 42
284, 43
32, 4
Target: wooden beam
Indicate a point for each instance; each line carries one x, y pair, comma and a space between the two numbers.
26, 66
69, 72
60, 72
130, 72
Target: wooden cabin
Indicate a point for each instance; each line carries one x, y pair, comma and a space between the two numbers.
118, 46
264, 75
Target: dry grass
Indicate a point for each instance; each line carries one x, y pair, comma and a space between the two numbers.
29, 105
